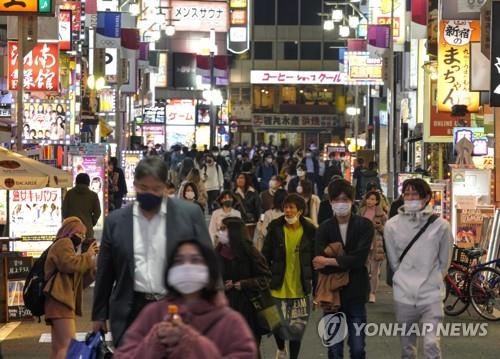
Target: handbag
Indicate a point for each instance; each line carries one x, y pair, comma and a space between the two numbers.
94, 347
390, 273
270, 317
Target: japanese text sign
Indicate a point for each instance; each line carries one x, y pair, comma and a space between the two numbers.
41, 67
297, 77
362, 69
181, 112
40, 7
200, 15
295, 121
380, 13
455, 37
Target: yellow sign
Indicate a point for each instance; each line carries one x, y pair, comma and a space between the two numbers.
238, 4
41, 7
380, 13
455, 37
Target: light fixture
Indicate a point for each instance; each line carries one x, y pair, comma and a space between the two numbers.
328, 25
213, 96
353, 21
96, 84
352, 111
344, 31
170, 30
337, 15
325, 90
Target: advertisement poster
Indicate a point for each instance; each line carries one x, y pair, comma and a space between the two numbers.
45, 120
183, 135
181, 112
41, 67
380, 11
129, 163
153, 135
35, 214
454, 64
94, 166
470, 224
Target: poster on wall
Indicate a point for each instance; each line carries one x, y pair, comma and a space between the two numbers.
470, 224
94, 166
130, 159
455, 37
45, 120
35, 214
153, 135
183, 135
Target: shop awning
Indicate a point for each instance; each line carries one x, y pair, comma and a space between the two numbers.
21, 172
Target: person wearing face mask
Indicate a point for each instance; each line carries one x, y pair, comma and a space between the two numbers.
135, 245
266, 197
354, 233
170, 190
301, 176
190, 193
204, 326
266, 171
305, 190
213, 178
288, 249
312, 166
228, 204
249, 197
372, 210
419, 263
67, 274
194, 177
244, 271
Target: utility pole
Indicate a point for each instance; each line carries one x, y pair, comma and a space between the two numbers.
21, 34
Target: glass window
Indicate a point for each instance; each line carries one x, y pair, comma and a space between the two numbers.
289, 95
331, 50
309, 10
264, 12
290, 50
310, 50
263, 50
263, 98
288, 12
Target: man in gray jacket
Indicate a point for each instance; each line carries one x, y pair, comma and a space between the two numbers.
418, 279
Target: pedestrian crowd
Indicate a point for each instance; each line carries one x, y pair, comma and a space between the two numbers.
286, 233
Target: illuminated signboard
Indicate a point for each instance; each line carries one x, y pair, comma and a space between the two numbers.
380, 11
454, 64
65, 29
238, 40
39, 7
361, 69
200, 15
297, 77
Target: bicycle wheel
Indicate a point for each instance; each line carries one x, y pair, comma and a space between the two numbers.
484, 292
456, 300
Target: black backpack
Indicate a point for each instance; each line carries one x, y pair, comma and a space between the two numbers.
34, 298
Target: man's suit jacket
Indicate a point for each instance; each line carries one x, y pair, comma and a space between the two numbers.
114, 285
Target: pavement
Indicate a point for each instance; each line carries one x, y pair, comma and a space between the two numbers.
21, 340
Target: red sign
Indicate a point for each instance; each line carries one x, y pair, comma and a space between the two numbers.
442, 123
76, 13
65, 29
41, 67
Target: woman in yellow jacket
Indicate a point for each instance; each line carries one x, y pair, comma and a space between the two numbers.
66, 273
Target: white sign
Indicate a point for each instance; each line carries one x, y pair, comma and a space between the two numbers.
457, 32
200, 15
181, 112
298, 77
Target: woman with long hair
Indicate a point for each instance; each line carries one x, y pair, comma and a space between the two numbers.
270, 215
244, 271
248, 197
194, 176
203, 325
190, 194
67, 274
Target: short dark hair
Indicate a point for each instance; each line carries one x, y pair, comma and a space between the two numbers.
83, 178
279, 199
337, 187
227, 193
419, 185
214, 276
297, 200
113, 161
373, 193
151, 166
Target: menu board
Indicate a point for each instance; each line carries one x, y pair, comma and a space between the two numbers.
35, 214
130, 159
16, 270
470, 225
94, 166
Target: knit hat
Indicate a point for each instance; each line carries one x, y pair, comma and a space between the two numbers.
69, 227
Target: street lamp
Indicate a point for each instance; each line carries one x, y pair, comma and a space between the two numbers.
344, 31
96, 83
328, 25
337, 15
170, 30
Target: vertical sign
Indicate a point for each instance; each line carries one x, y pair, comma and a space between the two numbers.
454, 64
238, 39
419, 11
495, 55
380, 11
65, 29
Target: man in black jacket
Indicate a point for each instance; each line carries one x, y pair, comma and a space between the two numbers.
356, 234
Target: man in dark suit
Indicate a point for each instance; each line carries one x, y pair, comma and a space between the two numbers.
355, 233
136, 242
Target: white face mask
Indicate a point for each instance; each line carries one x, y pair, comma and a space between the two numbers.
341, 209
223, 237
269, 160
413, 206
291, 220
300, 189
301, 173
188, 278
189, 195
171, 195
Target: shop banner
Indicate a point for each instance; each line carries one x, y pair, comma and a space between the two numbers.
200, 15
378, 39
454, 64
184, 70
362, 69
297, 77
130, 160
357, 45
27, 7
181, 112
45, 120
269, 121
419, 11
380, 14
221, 72
108, 30
495, 55
485, 19
475, 135
35, 214
65, 30
130, 43
238, 40
154, 115
143, 61
76, 14
3, 207
41, 67
161, 76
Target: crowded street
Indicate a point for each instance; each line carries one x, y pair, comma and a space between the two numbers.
275, 179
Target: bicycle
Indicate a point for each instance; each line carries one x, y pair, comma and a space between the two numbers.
470, 282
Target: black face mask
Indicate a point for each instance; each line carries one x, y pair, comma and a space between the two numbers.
149, 201
227, 203
76, 239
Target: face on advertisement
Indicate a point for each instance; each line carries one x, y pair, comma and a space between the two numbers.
96, 184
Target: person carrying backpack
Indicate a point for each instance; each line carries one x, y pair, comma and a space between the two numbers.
66, 274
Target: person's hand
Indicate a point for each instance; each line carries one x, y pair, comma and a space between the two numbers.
237, 285
170, 334
228, 284
99, 325
320, 262
93, 249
